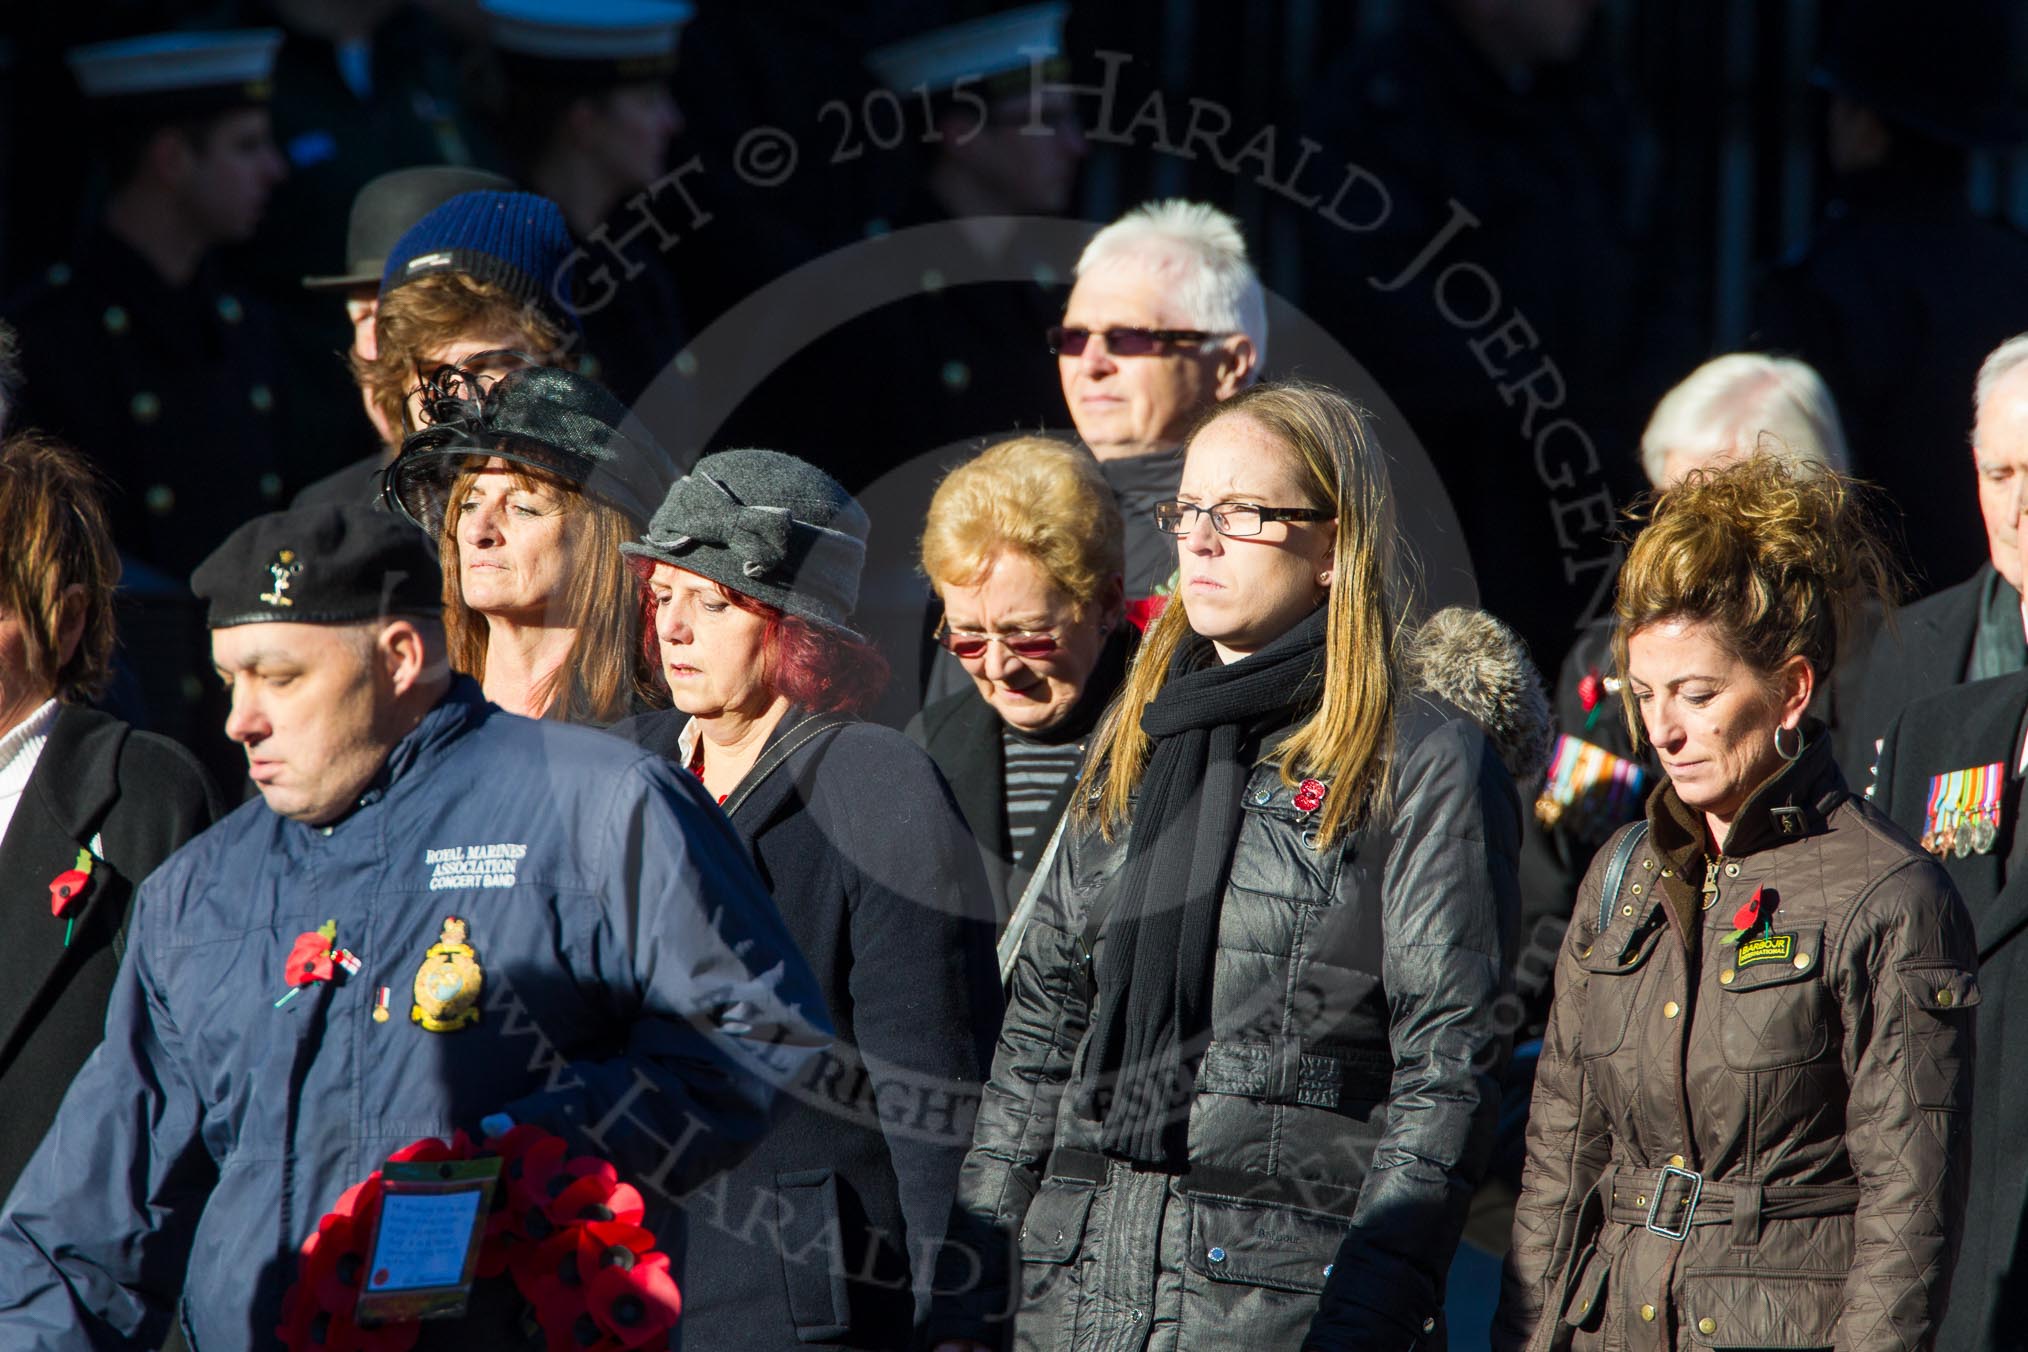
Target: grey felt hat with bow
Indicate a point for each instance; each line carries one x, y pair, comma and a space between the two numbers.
769, 526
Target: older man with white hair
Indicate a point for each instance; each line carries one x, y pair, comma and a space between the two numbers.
1166, 319
1978, 628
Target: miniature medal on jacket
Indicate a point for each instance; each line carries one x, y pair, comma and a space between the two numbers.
1962, 814
447, 984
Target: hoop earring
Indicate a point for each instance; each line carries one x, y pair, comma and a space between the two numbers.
1790, 756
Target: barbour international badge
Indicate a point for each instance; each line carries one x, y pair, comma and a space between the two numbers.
1767, 948
447, 984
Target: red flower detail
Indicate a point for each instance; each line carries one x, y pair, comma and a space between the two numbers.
1590, 687
430, 1150
637, 1306
1310, 795
593, 1274
1146, 611
1747, 916
65, 888
595, 1197
309, 960
604, 1244
547, 1273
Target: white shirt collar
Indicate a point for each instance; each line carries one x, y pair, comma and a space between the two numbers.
20, 748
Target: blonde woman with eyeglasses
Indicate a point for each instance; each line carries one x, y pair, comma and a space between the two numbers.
1245, 1085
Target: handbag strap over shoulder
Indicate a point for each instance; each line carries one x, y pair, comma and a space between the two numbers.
798, 737
1616, 871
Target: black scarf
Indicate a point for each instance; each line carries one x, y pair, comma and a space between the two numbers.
1154, 980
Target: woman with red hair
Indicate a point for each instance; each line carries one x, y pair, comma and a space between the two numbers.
749, 572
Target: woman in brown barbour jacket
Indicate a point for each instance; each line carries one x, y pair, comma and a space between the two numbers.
1750, 1122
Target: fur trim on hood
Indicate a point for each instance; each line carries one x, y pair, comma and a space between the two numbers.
1482, 667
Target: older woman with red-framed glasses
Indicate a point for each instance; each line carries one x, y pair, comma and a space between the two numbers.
1023, 546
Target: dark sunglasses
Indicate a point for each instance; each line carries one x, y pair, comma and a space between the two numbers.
967, 644
1068, 342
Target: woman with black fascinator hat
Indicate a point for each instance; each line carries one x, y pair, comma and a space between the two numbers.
530, 483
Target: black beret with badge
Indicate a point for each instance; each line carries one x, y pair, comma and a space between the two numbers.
332, 564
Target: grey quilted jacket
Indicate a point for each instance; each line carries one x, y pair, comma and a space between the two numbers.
1760, 1144
1343, 1109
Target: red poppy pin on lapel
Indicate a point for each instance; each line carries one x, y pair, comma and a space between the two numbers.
66, 888
1748, 916
315, 956
1310, 795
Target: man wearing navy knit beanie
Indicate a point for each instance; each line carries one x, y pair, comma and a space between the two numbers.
481, 283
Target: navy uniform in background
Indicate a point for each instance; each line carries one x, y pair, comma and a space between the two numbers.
586, 115
1548, 163
141, 351
168, 382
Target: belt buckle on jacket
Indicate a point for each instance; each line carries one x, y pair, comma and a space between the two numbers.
1696, 1180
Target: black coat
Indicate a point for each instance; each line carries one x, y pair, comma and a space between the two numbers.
1345, 1105
962, 735
1927, 650
1976, 725
813, 1239
133, 799
1353, 1016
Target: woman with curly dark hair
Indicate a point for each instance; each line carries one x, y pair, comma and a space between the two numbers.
749, 572
1751, 1116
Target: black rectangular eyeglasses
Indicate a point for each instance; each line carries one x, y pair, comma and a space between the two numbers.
1230, 518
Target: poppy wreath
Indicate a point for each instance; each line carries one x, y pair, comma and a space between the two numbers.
566, 1230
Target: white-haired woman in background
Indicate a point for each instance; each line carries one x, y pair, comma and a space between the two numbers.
1740, 403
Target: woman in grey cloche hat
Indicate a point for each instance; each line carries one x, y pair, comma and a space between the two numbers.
749, 571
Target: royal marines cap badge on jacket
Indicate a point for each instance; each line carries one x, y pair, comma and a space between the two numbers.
447, 984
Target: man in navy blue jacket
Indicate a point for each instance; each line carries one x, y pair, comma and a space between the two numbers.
629, 984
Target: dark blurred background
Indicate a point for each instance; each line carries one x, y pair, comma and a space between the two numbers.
1648, 183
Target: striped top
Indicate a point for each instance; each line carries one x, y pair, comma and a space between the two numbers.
1036, 773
